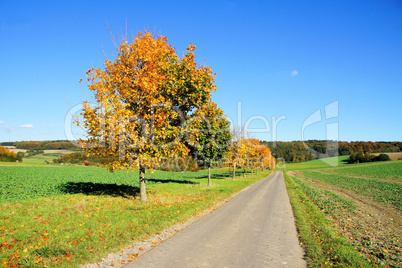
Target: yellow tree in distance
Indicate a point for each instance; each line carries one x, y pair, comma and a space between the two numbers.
236, 150
143, 98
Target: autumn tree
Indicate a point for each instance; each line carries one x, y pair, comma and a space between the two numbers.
256, 151
238, 133
209, 133
243, 154
267, 161
143, 97
8, 156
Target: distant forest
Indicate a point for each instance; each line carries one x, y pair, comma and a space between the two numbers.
298, 151
41, 145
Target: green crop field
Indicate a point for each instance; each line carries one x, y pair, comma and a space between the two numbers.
380, 191
319, 163
19, 183
388, 170
360, 202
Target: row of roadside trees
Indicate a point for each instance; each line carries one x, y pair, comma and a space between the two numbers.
152, 104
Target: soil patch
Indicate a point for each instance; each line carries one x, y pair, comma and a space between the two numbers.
393, 156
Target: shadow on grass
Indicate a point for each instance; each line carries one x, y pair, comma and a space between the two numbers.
222, 175
90, 188
170, 180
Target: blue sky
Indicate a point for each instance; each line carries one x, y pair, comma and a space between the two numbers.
280, 61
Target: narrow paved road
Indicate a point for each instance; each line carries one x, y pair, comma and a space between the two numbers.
255, 229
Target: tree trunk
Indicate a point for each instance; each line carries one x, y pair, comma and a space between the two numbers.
143, 189
234, 171
209, 175
244, 173
252, 171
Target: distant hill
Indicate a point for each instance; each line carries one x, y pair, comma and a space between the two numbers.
299, 151
42, 145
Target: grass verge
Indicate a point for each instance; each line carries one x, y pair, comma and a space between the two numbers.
70, 230
323, 245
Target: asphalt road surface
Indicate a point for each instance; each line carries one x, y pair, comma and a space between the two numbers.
254, 229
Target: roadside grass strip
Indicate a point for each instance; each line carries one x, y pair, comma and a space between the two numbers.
323, 245
68, 230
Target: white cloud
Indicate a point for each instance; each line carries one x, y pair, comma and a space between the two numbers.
283, 73
1, 122
27, 126
10, 129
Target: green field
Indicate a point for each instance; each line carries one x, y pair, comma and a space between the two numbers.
19, 183
387, 170
65, 216
319, 163
380, 191
361, 204
38, 160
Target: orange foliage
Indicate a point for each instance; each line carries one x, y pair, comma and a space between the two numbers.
8, 156
143, 97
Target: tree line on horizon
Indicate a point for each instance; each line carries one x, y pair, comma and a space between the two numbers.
41, 145
299, 151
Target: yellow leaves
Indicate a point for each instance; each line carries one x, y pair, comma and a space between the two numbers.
146, 91
38, 260
191, 47
250, 152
